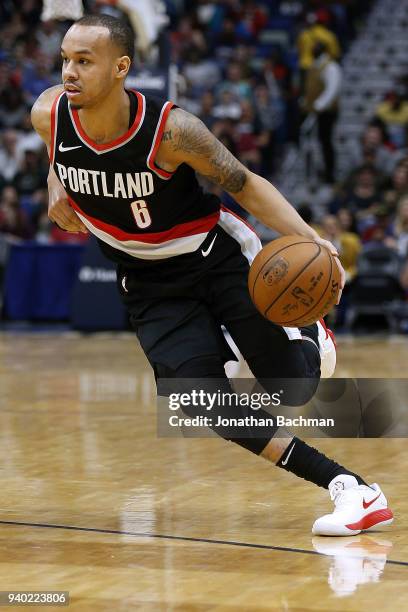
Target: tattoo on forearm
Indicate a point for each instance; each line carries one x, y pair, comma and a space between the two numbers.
191, 135
167, 136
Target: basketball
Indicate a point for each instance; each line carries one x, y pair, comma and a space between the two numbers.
294, 281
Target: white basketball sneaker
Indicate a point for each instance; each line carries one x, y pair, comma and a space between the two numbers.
327, 349
357, 508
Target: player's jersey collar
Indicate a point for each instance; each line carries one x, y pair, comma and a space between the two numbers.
118, 142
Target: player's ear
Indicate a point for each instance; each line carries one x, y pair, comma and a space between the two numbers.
122, 67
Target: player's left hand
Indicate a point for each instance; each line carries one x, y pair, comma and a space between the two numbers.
332, 249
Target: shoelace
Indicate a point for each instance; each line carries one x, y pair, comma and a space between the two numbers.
336, 489
342, 497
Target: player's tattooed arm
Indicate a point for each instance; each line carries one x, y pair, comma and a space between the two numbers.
187, 140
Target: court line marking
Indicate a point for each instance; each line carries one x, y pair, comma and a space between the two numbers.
180, 538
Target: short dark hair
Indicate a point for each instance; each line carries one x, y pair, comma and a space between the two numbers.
120, 32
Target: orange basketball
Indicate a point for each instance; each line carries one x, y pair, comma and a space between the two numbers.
293, 281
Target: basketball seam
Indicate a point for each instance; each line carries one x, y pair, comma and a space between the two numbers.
330, 277
294, 279
274, 255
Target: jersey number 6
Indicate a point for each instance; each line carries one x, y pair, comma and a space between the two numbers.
141, 214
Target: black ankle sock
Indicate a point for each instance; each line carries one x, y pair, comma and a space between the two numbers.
308, 463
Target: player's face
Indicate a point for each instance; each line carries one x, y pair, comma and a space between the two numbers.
89, 65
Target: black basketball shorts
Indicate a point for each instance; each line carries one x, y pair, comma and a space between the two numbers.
178, 306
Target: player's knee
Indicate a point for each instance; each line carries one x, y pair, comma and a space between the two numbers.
301, 391
292, 391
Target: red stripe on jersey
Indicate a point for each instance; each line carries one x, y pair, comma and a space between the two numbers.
198, 226
157, 141
53, 127
238, 217
114, 143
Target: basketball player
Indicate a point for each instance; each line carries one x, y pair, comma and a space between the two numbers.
122, 166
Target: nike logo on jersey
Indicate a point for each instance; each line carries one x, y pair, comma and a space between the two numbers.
289, 454
208, 251
63, 149
368, 504
124, 279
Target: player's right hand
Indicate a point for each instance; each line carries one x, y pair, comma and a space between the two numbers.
61, 212
59, 209
65, 217
332, 249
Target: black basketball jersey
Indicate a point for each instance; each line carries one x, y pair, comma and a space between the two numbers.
137, 210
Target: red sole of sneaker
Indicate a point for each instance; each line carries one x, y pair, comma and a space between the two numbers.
374, 518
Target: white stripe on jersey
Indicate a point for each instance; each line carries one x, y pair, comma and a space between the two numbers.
147, 250
250, 247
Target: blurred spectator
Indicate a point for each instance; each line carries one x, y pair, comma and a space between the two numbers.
71, 10
37, 208
347, 220
30, 175
277, 75
12, 105
401, 227
347, 243
228, 107
394, 112
362, 193
201, 72
29, 140
373, 150
184, 37
270, 115
10, 155
322, 91
268, 108
37, 78
235, 83
316, 31
226, 37
187, 96
206, 111
398, 186
253, 19
13, 221
380, 230
49, 38
250, 138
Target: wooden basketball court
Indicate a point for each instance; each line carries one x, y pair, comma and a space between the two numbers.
95, 504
